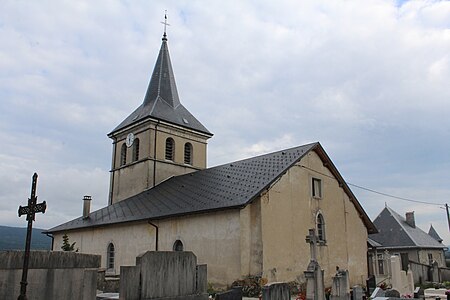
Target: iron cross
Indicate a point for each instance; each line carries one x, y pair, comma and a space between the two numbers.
30, 210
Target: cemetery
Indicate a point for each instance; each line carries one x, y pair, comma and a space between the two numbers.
176, 275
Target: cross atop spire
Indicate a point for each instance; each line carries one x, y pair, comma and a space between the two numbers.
165, 26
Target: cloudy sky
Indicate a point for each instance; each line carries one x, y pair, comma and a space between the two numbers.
369, 80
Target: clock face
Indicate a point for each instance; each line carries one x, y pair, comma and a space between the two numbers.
129, 140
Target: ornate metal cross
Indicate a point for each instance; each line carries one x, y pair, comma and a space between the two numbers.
30, 210
165, 25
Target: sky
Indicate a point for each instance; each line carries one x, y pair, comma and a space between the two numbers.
369, 80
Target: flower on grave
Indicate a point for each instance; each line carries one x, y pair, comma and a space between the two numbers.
447, 292
328, 291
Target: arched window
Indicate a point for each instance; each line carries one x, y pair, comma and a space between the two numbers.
188, 153
110, 257
136, 150
320, 222
123, 155
178, 245
170, 148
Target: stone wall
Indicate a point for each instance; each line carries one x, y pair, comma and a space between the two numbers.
51, 275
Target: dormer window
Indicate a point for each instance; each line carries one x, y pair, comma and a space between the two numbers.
123, 155
170, 149
188, 153
136, 150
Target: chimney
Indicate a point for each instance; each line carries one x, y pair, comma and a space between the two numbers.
410, 219
86, 206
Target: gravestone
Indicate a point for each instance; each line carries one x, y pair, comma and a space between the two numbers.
276, 291
340, 289
234, 294
314, 274
357, 293
158, 275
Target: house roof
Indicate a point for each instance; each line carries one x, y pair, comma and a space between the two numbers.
232, 185
161, 101
432, 232
395, 232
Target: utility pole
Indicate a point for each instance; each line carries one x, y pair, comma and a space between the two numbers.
448, 217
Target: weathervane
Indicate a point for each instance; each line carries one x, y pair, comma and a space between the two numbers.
165, 26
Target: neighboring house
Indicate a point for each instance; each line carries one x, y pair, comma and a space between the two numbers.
400, 236
248, 217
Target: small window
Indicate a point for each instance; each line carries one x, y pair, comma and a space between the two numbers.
380, 261
178, 245
188, 153
123, 155
317, 188
110, 257
170, 148
320, 228
430, 258
136, 150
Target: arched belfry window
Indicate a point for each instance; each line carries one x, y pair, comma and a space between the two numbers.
320, 223
188, 153
136, 150
123, 155
170, 149
110, 257
178, 245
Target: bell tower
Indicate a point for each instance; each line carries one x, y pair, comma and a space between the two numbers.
160, 139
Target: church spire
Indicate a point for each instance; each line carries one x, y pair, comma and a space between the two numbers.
161, 100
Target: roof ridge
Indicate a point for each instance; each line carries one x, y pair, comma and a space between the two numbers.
266, 154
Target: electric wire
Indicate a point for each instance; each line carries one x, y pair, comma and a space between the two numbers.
374, 191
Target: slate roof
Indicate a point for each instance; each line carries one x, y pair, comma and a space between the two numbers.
161, 100
394, 232
232, 185
432, 232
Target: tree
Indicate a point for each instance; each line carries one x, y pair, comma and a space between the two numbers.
66, 244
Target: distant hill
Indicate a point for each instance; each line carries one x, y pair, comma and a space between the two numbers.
13, 238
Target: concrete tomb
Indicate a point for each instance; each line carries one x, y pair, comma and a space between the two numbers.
340, 289
169, 275
52, 275
276, 291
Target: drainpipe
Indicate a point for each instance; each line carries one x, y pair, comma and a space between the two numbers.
157, 234
52, 237
154, 153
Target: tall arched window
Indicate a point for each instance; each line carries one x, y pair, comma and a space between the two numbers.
188, 153
178, 245
136, 150
170, 148
320, 222
123, 155
110, 257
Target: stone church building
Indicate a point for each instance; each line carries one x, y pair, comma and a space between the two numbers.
248, 217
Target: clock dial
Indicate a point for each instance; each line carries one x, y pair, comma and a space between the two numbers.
129, 140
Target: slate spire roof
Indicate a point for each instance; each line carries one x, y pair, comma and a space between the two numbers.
432, 232
161, 100
395, 232
232, 185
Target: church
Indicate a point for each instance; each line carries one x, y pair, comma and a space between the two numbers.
248, 217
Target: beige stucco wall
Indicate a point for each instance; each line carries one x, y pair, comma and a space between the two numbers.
214, 238
134, 177
438, 255
288, 211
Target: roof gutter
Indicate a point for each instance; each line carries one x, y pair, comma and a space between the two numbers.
157, 234
50, 236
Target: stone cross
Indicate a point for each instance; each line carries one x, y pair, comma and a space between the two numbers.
311, 238
30, 210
